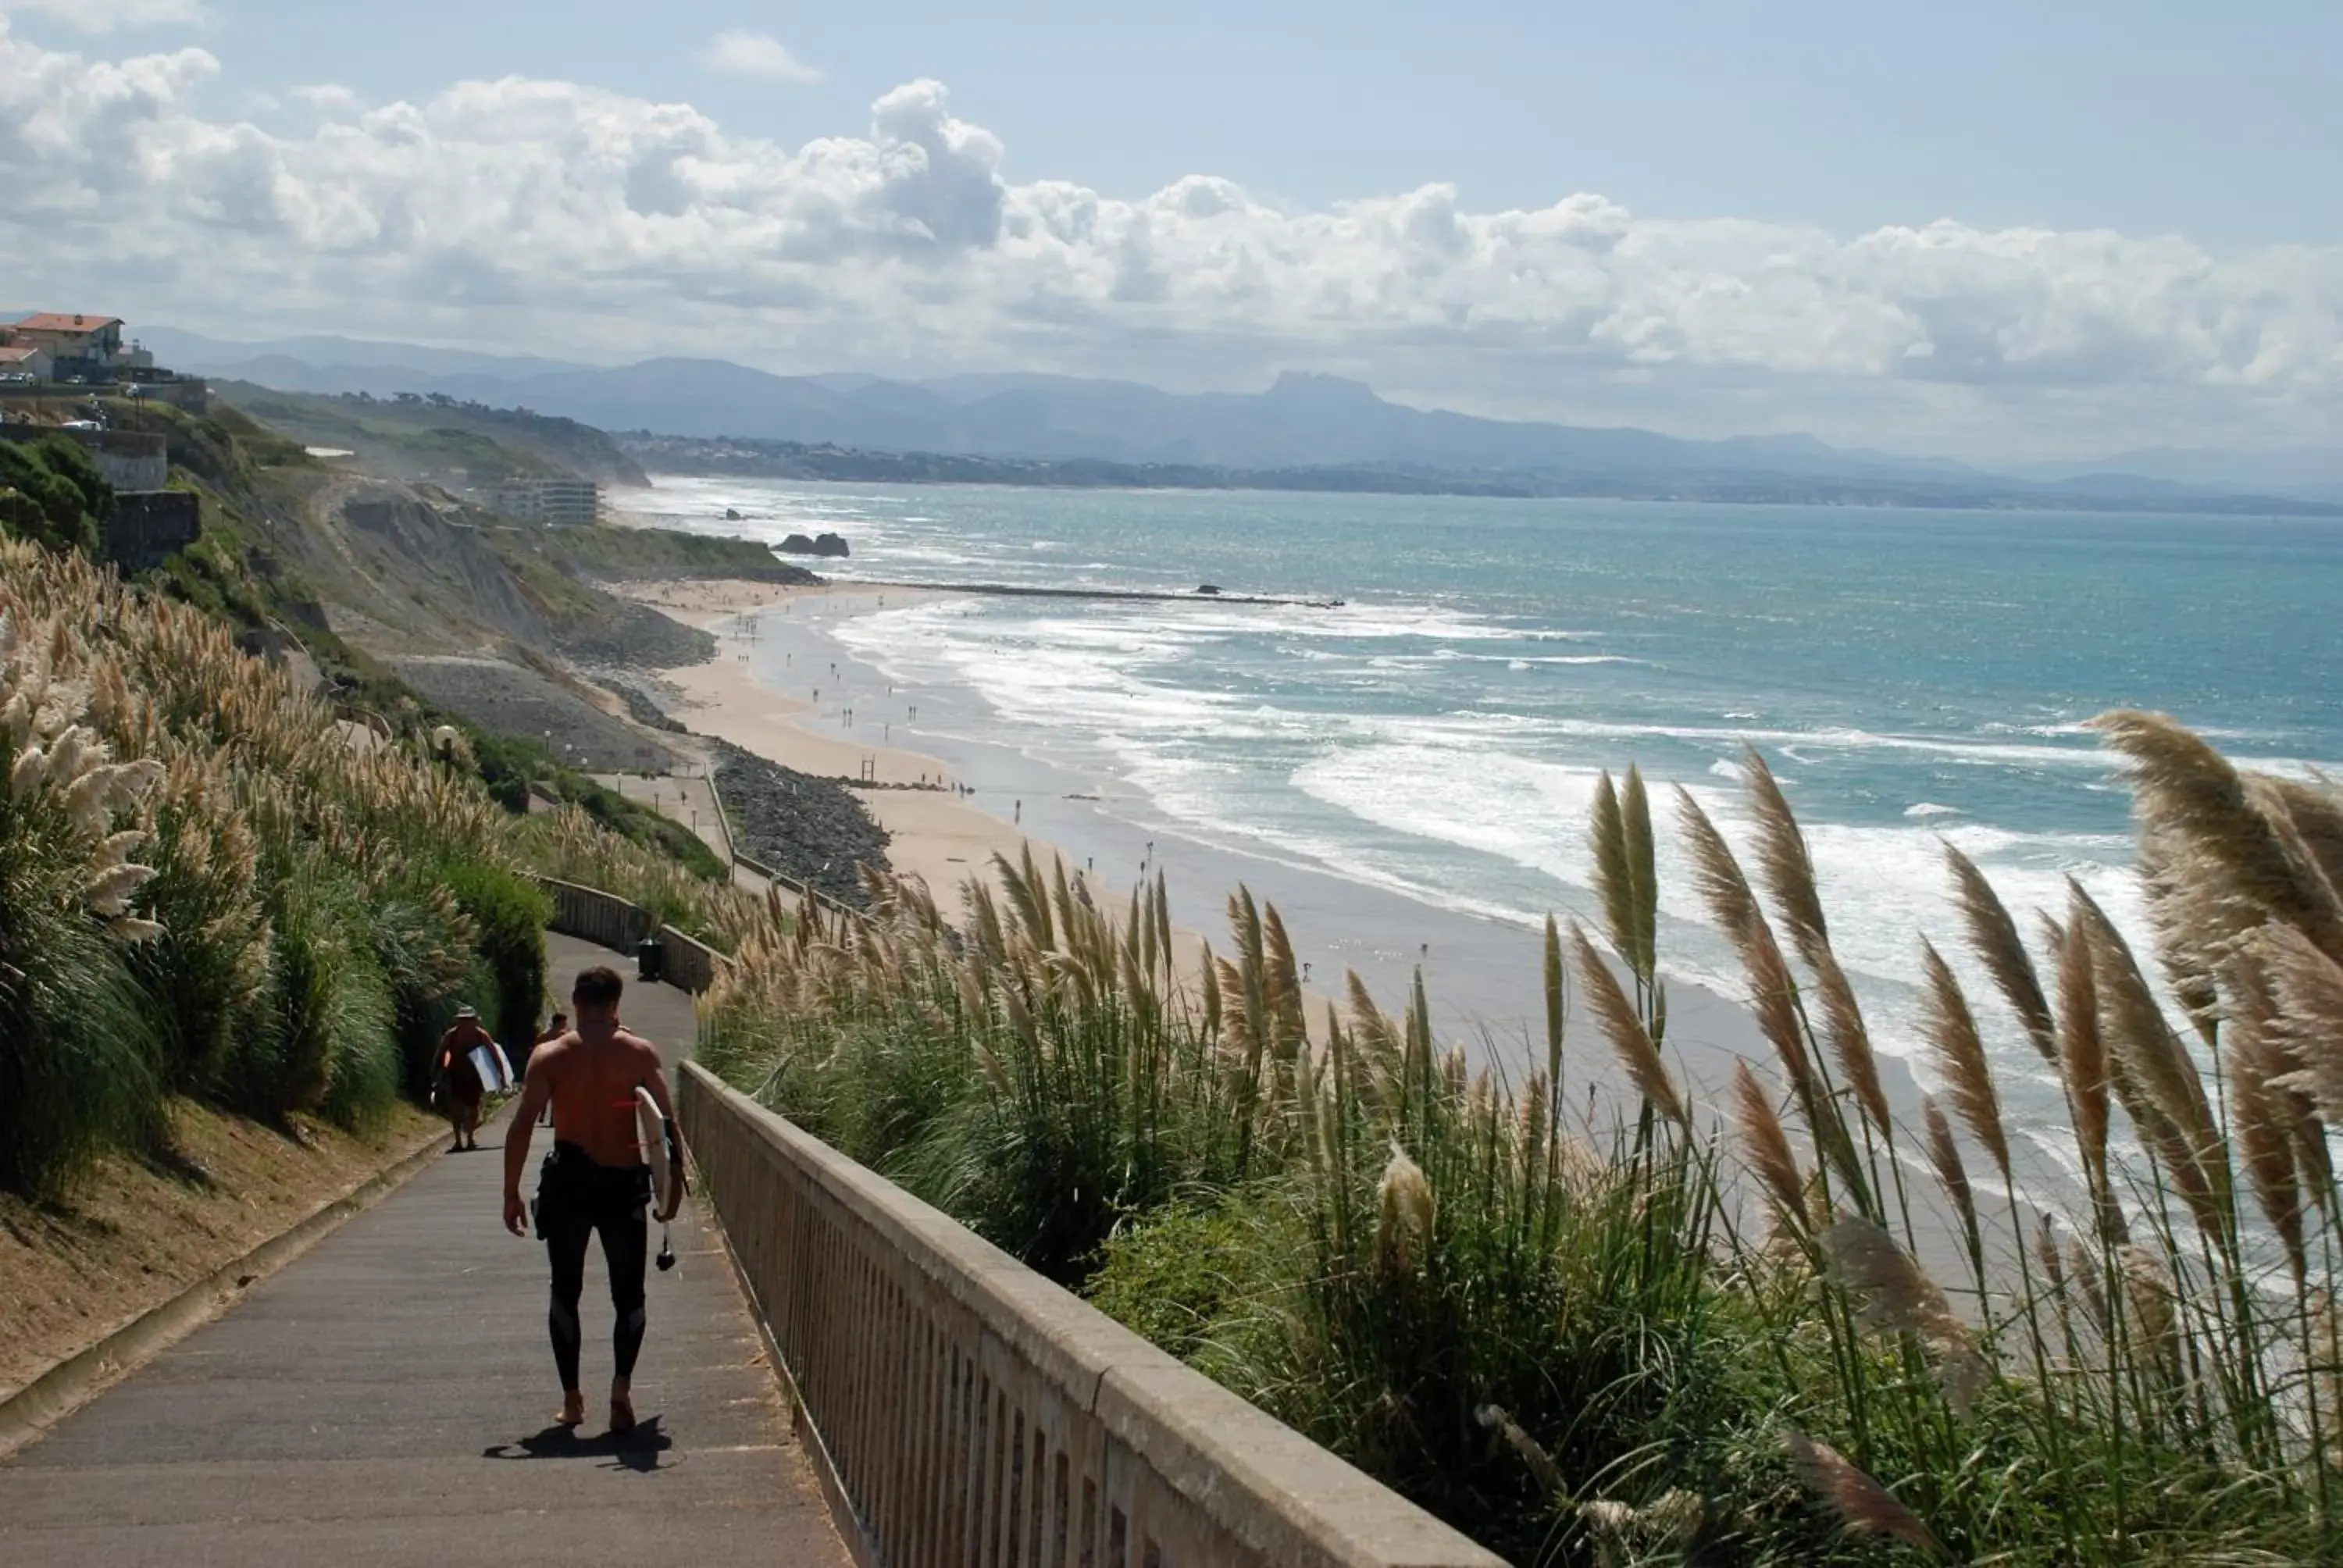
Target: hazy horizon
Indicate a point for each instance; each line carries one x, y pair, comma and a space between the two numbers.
2005, 242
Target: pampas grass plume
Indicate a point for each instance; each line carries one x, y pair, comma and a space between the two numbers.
1863, 1507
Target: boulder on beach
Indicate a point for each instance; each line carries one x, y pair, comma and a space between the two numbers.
820, 545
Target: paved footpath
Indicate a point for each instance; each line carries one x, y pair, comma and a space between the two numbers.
387, 1399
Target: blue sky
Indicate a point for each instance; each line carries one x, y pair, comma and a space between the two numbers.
1989, 229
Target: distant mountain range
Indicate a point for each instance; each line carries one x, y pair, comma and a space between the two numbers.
1301, 422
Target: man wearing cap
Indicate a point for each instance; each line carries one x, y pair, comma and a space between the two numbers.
456, 1080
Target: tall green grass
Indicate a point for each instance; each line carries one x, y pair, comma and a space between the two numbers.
209, 887
1655, 1326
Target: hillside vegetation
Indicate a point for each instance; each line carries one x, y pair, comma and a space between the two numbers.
51, 493
436, 438
212, 888
1657, 1332
652, 554
215, 882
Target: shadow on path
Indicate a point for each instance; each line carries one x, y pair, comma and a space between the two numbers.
637, 1450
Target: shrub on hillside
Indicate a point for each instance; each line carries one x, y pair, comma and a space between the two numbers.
78, 1066
511, 916
210, 953
52, 493
249, 906
429, 948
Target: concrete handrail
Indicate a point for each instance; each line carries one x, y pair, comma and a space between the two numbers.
806, 892
607, 921
968, 1411
723, 817
603, 919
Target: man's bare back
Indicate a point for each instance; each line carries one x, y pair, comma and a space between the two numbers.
591, 1084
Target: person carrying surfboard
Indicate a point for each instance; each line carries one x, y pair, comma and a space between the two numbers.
458, 1080
598, 1180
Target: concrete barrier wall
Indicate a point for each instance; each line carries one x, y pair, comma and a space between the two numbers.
130, 459
967, 1411
147, 527
132, 470
689, 964
595, 916
611, 921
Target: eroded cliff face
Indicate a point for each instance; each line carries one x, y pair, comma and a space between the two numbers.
406, 570
413, 579
415, 544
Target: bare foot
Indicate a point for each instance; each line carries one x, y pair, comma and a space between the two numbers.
622, 1413
573, 1408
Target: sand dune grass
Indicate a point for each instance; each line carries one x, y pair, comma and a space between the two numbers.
1659, 1331
208, 886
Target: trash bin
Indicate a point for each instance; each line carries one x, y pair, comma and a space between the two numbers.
650, 960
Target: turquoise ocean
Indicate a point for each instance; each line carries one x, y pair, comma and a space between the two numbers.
1914, 677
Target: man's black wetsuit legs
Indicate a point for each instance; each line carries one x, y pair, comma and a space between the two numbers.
625, 1240
578, 1201
565, 1243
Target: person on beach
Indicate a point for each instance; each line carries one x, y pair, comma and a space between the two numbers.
597, 1181
455, 1081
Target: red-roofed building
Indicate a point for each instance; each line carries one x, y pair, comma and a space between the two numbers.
77, 345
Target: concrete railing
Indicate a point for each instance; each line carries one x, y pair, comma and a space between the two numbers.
611, 921
686, 962
603, 919
964, 1410
804, 892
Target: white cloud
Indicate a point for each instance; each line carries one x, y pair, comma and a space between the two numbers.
106, 16
743, 53
590, 220
330, 98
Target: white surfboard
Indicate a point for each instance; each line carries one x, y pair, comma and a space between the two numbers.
652, 1134
496, 1071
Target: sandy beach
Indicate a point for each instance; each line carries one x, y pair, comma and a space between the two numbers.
944, 838
934, 833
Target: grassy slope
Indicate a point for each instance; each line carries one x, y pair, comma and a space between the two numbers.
621, 554
419, 439
262, 565
134, 1232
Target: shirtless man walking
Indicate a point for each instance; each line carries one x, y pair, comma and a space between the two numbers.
597, 1178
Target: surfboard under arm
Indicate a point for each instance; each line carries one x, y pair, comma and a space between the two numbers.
656, 1139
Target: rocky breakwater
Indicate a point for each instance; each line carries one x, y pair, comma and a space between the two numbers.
813, 830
